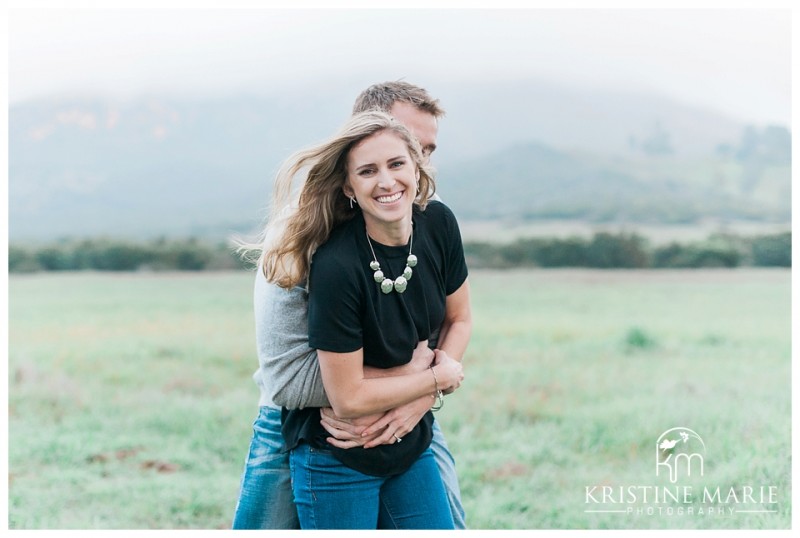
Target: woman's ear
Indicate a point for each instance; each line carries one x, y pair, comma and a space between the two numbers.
347, 190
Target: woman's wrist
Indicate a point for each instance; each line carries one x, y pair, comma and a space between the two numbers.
438, 395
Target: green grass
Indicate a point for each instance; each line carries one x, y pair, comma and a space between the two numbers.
130, 397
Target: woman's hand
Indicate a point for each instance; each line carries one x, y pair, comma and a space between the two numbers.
449, 372
397, 423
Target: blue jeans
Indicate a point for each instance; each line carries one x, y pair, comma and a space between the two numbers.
265, 495
330, 495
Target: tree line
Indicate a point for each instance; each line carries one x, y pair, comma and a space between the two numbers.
632, 251
106, 254
603, 250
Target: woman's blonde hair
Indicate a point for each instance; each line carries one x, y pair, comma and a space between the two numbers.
299, 224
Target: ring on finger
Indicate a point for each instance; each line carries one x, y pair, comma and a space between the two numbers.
398, 438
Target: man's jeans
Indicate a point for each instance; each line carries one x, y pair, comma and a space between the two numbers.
331, 495
265, 496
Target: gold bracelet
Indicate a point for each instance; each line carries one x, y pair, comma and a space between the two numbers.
439, 396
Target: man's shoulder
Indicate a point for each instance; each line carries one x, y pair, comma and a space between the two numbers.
269, 293
436, 211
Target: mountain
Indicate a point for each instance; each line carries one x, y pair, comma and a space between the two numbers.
164, 165
483, 118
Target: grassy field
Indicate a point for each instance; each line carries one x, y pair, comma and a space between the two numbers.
130, 398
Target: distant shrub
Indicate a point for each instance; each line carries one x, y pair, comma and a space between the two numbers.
773, 250
186, 255
481, 254
515, 255
192, 258
570, 252
22, 260
224, 258
695, 256
124, 257
715, 257
638, 338
667, 256
55, 258
608, 251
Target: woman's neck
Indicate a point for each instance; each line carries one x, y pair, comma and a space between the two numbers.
392, 234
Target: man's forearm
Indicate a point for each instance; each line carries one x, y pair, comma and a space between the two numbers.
456, 339
457, 326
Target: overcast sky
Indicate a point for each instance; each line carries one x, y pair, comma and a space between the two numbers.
735, 61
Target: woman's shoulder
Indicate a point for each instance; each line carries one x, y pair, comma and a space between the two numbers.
337, 251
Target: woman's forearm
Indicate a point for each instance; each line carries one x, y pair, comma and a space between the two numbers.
352, 394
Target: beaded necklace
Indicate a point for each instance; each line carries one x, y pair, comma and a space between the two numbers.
400, 283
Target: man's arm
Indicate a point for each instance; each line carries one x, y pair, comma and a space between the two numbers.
288, 372
457, 325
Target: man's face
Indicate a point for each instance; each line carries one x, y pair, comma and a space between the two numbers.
422, 124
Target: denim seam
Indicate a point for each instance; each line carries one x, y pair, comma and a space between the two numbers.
388, 511
313, 510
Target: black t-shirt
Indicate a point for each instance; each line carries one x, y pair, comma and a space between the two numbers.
347, 311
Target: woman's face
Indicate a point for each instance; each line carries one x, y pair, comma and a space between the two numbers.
383, 178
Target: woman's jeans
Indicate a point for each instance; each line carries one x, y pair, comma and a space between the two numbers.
330, 495
265, 496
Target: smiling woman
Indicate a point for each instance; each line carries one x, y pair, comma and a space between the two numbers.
383, 179
362, 214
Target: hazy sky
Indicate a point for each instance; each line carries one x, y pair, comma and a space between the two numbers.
736, 61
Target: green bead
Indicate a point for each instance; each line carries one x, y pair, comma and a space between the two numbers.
374, 265
400, 284
411, 260
407, 272
378, 276
387, 286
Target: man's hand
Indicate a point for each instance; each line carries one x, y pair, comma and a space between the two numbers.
380, 428
449, 372
421, 358
377, 429
348, 433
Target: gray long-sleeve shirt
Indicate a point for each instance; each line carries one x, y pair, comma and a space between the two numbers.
288, 374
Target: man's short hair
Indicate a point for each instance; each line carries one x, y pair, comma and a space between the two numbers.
385, 94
